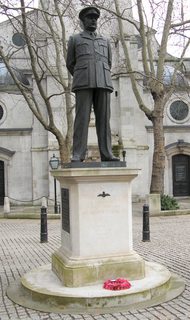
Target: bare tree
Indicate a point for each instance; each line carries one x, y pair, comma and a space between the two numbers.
44, 34
49, 23
154, 72
170, 26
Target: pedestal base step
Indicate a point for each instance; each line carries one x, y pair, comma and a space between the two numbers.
41, 290
74, 273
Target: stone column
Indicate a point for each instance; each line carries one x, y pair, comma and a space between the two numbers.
7, 205
154, 204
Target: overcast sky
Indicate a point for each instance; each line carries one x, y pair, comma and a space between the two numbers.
176, 44
181, 9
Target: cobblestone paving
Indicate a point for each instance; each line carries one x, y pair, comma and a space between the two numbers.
21, 251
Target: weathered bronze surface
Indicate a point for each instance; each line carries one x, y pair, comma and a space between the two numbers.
89, 61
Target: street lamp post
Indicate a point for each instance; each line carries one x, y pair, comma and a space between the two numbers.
54, 164
124, 155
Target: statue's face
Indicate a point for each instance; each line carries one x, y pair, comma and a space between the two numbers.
90, 22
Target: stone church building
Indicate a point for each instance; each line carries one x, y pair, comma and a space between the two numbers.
26, 147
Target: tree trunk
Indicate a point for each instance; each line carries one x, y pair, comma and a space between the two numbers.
65, 142
158, 164
64, 151
64, 146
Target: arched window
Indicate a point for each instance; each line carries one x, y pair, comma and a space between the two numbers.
1, 112
2, 183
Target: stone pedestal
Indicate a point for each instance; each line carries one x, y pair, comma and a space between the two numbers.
96, 245
154, 204
96, 235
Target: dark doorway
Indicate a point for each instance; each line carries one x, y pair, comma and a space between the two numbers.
181, 175
2, 183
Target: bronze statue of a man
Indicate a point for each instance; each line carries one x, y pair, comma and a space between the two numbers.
89, 62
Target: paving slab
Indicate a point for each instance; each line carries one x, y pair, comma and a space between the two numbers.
21, 251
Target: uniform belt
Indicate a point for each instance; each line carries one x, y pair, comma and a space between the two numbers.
95, 58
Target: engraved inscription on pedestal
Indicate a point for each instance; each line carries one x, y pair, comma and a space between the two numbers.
65, 210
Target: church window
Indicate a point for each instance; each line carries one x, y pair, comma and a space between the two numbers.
18, 40
139, 41
179, 110
1, 112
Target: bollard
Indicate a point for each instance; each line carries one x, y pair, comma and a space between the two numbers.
146, 229
44, 202
43, 233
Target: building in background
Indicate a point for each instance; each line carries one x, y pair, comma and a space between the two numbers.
26, 147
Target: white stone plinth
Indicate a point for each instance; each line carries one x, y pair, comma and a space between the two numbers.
99, 225
97, 246
100, 235
40, 289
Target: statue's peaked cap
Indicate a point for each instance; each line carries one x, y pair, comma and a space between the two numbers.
89, 10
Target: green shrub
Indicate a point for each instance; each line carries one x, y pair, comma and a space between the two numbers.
116, 150
168, 203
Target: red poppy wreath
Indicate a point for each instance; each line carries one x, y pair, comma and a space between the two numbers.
117, 284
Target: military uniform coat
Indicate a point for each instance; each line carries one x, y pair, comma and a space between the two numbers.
89, 61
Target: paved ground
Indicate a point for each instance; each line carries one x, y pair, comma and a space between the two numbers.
21, 251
